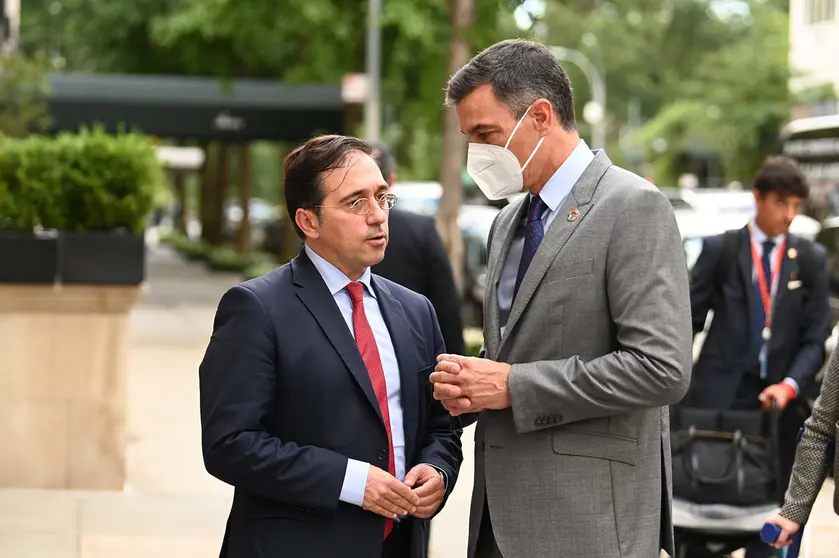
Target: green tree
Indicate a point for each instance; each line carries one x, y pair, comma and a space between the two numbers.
735, 100
24, 93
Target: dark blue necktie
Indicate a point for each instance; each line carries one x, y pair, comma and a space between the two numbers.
759, 315
533, 237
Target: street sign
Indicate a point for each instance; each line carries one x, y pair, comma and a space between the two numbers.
355, 88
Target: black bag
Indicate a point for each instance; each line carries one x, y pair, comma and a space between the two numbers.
725, 457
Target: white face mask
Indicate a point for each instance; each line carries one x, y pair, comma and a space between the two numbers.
495, 169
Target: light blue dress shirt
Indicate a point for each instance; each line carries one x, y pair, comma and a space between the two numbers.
355, 478
758, 237
553, 194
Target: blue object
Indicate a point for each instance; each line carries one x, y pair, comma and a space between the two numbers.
770, 533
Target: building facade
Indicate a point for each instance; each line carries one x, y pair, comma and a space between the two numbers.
814, 56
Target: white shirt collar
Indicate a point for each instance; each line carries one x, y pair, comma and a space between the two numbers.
559, 185
334, 278
759, 237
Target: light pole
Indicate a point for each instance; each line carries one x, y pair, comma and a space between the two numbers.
595, 110
372, 106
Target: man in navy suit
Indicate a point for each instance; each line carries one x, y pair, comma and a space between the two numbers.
751, 356
315, 399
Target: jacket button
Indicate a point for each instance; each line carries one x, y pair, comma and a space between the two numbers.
382, 455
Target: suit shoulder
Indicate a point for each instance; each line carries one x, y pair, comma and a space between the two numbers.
818, 250
410, 218
269, 284
627, 187
713, 242
406, 296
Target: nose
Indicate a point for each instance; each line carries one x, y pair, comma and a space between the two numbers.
377, 215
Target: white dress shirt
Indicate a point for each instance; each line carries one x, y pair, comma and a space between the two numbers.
553, 194
355, 478
758, 237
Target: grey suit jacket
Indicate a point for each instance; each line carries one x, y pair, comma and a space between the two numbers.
599, 337
811, 467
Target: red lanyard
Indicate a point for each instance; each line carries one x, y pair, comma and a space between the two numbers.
765, 290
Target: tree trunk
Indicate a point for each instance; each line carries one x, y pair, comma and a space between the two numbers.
179, 186
179, 183
245, 188
207, 188
213, 227
461, 17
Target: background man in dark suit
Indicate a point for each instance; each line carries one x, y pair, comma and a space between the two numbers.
315, 399
747, 359
416, 258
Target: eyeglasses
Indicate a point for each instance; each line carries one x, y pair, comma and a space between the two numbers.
362, 206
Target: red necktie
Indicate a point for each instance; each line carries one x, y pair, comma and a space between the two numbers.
370, 353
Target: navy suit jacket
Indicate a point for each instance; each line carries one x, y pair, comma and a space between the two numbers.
286, 400
416, 258
800, 323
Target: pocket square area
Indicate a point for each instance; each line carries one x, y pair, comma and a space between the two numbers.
792, 285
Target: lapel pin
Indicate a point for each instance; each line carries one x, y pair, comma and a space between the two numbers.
573, 214
792, 253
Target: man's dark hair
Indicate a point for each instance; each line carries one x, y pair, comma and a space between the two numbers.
384, 158
781, 175
305, 167
519, 72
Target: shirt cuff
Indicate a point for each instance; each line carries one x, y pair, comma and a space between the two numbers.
355, 482
442, 474
793, 383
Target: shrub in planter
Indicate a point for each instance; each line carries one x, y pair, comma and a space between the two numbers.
96, 189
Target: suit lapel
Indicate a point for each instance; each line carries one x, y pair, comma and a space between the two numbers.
506, 232
788, 266
561, 229
744, 266
312, 291
400, 335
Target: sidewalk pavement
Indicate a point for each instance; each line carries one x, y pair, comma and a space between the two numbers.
171, 508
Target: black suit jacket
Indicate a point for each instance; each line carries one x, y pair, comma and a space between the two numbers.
416, 259
800, 324
286, 400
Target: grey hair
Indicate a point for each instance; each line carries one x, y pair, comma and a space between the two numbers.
519, 72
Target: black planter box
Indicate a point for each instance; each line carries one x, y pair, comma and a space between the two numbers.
90, 258
27, 257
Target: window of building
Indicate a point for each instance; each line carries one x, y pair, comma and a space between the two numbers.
817, 11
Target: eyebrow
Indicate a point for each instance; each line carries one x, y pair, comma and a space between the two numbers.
478, 128
361, 193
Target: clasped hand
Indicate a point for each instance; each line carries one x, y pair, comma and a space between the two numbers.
420, 495
469, 385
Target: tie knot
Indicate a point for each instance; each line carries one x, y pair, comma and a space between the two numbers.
768, 245
356, 291
536, 209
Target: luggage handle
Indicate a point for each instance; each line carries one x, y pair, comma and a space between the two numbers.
734, 464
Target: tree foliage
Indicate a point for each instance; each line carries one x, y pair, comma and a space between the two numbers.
708, 74
316, 41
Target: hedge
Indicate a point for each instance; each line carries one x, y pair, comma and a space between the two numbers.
86, 181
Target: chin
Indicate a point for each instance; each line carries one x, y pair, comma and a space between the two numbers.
375, 257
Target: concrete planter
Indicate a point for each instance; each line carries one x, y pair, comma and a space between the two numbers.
62, 385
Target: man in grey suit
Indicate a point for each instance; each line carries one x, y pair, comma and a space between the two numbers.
587, 336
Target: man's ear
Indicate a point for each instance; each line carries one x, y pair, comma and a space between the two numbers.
543, 114
308, 222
